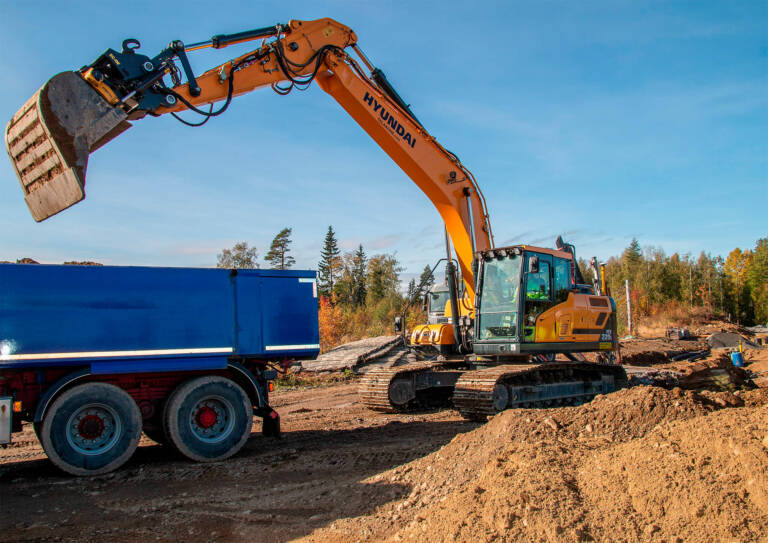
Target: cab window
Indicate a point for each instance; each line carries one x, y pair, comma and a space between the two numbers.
537, 286
437, 301
562, 279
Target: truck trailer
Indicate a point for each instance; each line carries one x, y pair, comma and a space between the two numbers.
94, 355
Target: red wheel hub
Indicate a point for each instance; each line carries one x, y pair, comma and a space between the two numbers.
90, 427
206, 417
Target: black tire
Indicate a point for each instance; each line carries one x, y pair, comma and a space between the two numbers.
208, 418
91, 429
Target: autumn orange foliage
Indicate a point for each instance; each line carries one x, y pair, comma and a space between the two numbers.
341, 323
332, 327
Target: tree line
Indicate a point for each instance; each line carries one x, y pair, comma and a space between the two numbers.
360, 294
241, 256
734, 288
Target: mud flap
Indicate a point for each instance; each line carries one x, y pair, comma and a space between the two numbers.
49, 139
271, 427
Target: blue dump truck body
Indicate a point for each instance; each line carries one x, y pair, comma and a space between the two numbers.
175, 352
120, 319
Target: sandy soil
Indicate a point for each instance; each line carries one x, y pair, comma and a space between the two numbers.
650, 351
644, 464
273, 490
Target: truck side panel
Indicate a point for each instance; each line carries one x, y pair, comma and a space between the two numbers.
277, 314
87, 310
112, 316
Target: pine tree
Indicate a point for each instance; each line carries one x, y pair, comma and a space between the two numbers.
633, 253
238, 257
631, 259
412, 291
359, 261
278, 256
427, 278
330, 263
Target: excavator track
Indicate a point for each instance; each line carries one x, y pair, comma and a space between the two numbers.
391, 390
482, 393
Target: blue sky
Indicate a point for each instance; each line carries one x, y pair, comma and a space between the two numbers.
599, 120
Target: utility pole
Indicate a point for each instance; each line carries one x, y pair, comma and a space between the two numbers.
739, 269
647, 281
629, 309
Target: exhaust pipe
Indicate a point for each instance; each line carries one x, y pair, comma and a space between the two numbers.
49, 139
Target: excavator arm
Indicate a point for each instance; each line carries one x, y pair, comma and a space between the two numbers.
75, 113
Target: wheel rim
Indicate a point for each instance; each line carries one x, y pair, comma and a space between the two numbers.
93, 429
212, 419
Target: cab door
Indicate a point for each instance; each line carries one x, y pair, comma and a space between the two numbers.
537, 282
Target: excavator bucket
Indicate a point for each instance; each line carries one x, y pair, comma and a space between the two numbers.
50, 137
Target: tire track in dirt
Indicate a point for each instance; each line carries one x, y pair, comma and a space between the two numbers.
273, 490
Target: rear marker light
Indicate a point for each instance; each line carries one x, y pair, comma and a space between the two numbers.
271, 387
17, 407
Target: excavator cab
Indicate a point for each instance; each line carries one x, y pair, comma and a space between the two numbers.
530, 302
438, 332
498, 309
436, 300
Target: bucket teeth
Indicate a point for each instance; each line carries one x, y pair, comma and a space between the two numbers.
49, 139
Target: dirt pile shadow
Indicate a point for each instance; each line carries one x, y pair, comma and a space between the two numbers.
273, 490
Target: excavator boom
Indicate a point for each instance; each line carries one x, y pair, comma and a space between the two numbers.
50, 139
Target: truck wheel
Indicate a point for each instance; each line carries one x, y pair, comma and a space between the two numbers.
91, 429
208, 418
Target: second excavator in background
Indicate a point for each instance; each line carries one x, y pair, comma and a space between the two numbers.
519, 302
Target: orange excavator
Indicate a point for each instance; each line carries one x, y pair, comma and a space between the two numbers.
520, 306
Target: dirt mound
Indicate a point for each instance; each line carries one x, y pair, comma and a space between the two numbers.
716, 372
684, 480
646, 352
755, 398
532, 473
82, 263
695, 480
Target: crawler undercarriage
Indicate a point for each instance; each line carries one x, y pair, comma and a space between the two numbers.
478, 392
